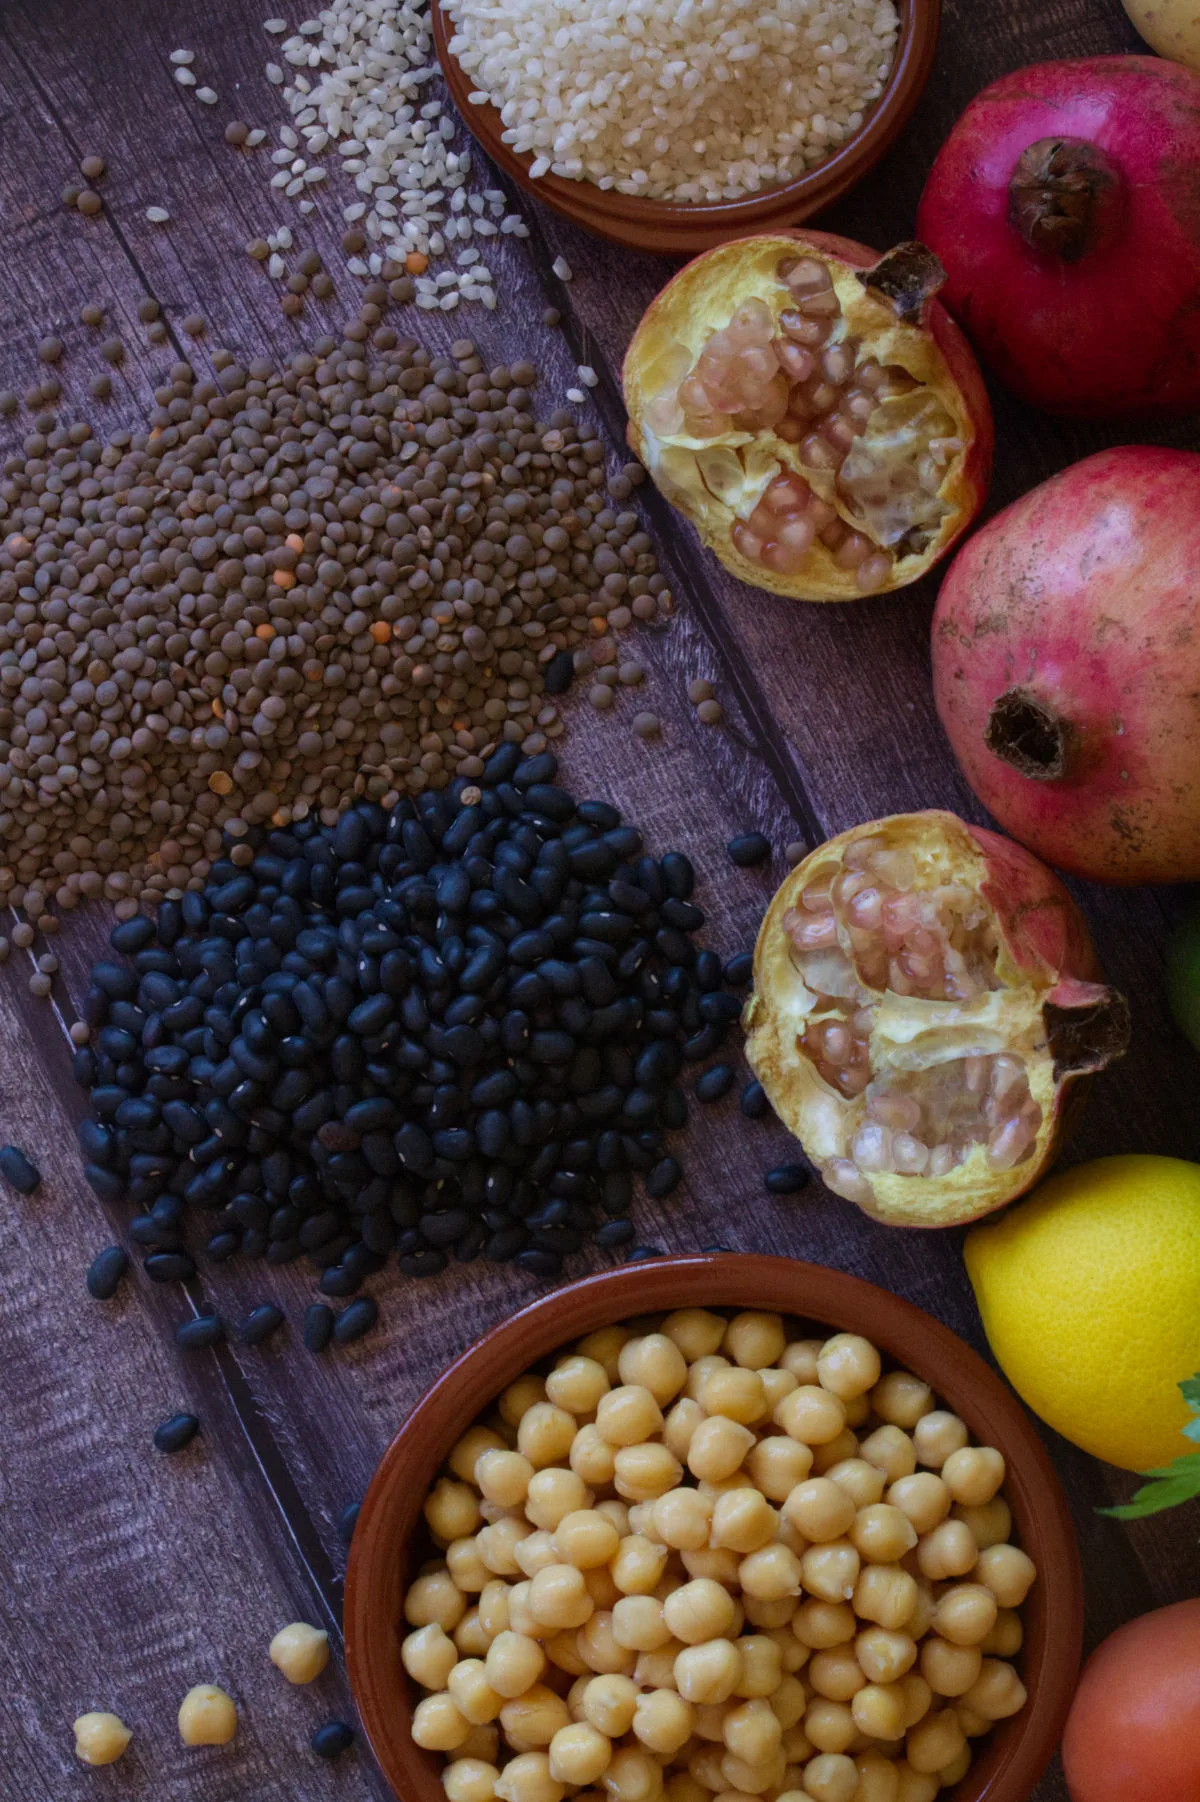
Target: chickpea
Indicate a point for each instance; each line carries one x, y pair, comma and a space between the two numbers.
764, 1613
708, 1672
608, 1703
789, 1701
737, 1394
718, 1447
1008, 1572
901, 1399
772, 1573
890, 1450
100, 1738
435, 1598
467, 1570
777, 1464
834, 1452
936, 1436
579, 1753
743, 1520
639, 1564
991, 1524
528, 1778
973, 1475
208, 1717
935, 1741
746, 1779
797, 1747
698, 1611
604, 1346
493, 1610
956, 1770
663, 1722
592, 1457
884, 1656
822, 1624
633, 1776
793, 1655
997, 1692
923, 1497
700, 1371
1006, 1637
559, 1598
762, 1667
586, 1538
521, 1618
639, 1624
680, 1424
577, 1384
545, 1434
949, 1551
628, 1415
563, 1653
965, 1614
836, 1674
452, 1509
697, 1332
656, 1670
755, 1339
718, 1562
497, 1545
655, 1363
437, 1724
831, 1777
830, 1571
644, 1472
820, 1509
830, 1725
681, 1519
503, 1477
470, 1780
531, 1720
848, 1365
752, 1732
800, 1358
915, 1786
301, 1652
811, 1414
482, 1743
428, 1656
682, 1787
470, 1448
515, 1402
553, 1494
949, 1670
885, 1594
472, 1694
598, 1648
882, 1534
513, 1662
971, 1723
922, 1614
878, 1778
776, 1384
861, 1481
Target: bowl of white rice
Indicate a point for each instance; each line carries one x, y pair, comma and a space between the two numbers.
674, 125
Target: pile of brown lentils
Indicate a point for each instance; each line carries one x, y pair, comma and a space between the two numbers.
352, 576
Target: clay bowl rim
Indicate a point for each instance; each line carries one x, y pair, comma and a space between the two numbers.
682, 229
1017, 1750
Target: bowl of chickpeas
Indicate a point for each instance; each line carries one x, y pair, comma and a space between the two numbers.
715, 1529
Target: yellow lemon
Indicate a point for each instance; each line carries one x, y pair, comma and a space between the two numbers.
1090, 1297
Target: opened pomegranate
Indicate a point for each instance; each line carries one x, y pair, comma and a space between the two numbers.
813, 411
924, 1008
1065, 205
1066, 666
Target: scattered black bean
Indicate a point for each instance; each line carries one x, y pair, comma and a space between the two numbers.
356, 1320
203, 1331
175, 1433
260, 1323
714, 1083
317, 1329
347, 1521
641, 1253
106, 1271
17, 1170
786, 1179
712, 1250
739, 969
332, 1739
169, 1266
749, 849
754, 1103
664, 1177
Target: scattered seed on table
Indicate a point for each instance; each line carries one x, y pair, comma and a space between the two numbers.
22, 935
317, 1329
70, 195
105, 1272
182, 57
562, 269
40, 986
259, 249
347, 1521
710, 713
236, 132
89, 202
699, 690
17, 1170
715, 1083
275, 26
323, 285
739, 969
332, 1739
50, 350
551, 316
5, 948
91, 313
642, 1253
754, 1103
631, 674
193, 324
92, 168
664, 1177
260, 1323
8, 403
148, 309
113, 351
600, 696
158, 215
156, 332
292, 305
310, 262
184, 76
647, 725
175, 1433
356, 1320
197, 1334
614, 1233
101, 386
170, 1267
786, 1179
80, 1032
795, 853
207, 96
748, 849
47, 964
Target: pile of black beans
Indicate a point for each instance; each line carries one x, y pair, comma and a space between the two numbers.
452, 1030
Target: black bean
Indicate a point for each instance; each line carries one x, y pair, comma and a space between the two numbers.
751, 848
170, 1266
715, 1083
332, 1739
614, 1232
106, 1271
719, 1008
739, 969
204, 1330
754, 1103
347, 1521
317, 1329
355, 1320
786, 1179
175, 1433
664, 1177
260, 1323
17, 1170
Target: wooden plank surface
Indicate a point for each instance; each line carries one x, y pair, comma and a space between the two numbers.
125, 1577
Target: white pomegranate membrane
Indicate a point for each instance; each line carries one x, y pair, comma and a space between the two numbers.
883, 442
870, 930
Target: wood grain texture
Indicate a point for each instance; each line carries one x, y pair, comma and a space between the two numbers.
124, 1577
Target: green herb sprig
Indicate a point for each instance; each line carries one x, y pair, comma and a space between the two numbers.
1171, 1484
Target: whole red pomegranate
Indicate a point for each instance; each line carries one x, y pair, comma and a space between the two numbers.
1134, 1727
1065, 205
1066, 666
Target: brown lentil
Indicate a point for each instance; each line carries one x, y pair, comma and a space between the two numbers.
630, 674
236, 132
322, 284
70, 194
22, 935
101, 386
157, 332
92, 168
710, 713
600, 696
353, 242
50, 350
40, 986
89, 201
647, 725
795, 853
8, 403
259, 249
91, 314
148, 309
310, 262
193, 325
292, 305
699, 690
113, 351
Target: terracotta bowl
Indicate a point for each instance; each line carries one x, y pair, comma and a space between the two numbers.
681, 229
388, 1538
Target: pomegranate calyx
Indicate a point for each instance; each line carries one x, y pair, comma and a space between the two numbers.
1087, 1026
908, 276
1062, 196
1026, 733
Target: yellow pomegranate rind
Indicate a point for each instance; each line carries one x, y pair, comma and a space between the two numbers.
1009, 1019
701, 299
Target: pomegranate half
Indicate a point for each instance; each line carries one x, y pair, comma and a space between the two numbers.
1066, 666
925, 1006
1065, 205
813, 411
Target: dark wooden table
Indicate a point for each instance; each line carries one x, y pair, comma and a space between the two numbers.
126, 1577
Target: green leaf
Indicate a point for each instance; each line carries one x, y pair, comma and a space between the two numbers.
1190, 1390
1172, 1484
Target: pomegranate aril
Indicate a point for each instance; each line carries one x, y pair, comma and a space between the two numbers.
820, 396
818, 453
693, 395
869, 374
900, 1113
837, 364
976, 1073
806, 276
1007, 1073
800, 330
833, 534
839, 433
857, 856
817, 898
837, 1042
752, 323
786, 494
1009, 1143
664, 415
874, 571
942, 1160
853, 1080
821, 512
818, 306
845, 1179
910, 1156
795, 360
797, 535
785, 559
791, 430
813, 933
853, 548
858, 406
871, 1148
746, 541
895, 867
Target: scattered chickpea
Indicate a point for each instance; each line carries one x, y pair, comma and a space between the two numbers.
301, 1652
100, 1738
207, 1716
